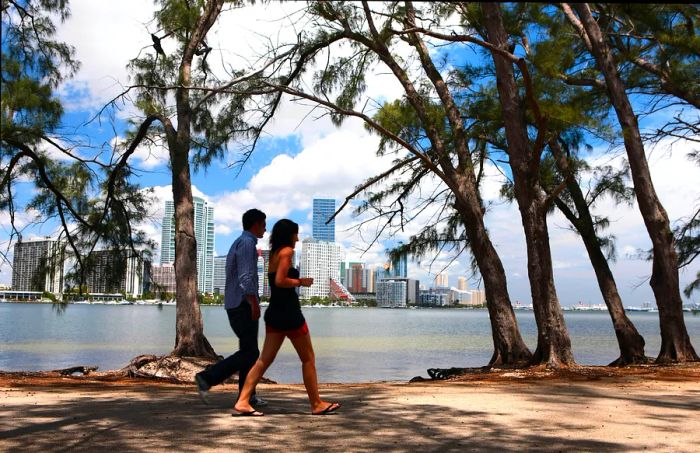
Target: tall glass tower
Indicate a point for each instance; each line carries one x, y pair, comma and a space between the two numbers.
204, 235
324, 209
399, 267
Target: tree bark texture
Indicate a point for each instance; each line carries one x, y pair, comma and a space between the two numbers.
189, 333
630, 342
553, 343
675, 342
509, 347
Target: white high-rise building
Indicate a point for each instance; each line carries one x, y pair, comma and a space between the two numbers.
478, 297
100, 276
204, 235
397, 292
320, 261
38, 266
167, 235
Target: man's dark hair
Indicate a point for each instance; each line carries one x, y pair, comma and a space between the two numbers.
251, 217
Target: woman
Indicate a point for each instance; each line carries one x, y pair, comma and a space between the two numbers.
283, 318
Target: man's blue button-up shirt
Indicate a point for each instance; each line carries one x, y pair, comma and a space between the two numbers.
241, 270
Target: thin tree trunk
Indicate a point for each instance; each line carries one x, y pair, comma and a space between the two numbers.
189, 332
509, 346
189, 328
675, 342
630, 342
553, 343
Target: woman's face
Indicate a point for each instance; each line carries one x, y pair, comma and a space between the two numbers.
295, 239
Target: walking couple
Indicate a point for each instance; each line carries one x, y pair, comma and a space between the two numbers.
283, 317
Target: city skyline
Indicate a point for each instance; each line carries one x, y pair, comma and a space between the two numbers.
302, 155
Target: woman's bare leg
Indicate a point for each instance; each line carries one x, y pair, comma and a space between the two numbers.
273, 342
305, 350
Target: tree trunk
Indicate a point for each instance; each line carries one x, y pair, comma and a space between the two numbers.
630, 342
675, 342
553, 343
189, 330
509, 346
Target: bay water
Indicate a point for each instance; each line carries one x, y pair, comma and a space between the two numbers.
351, 344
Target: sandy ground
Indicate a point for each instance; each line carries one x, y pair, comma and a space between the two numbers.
511, 411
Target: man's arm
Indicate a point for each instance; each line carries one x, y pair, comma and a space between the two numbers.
247, 267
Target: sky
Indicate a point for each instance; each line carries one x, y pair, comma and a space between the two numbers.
303, 155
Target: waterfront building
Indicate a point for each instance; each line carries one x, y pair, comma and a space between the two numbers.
261, 272
163, 278
103, 269
38, 266
478, 297
219, 274
319, 260
359, 278
343, 272
204, 235
462, 284
462, 297
397, 292
266, 269
353, 279
437, 297
323, 209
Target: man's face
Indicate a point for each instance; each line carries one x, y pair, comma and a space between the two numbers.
259, 229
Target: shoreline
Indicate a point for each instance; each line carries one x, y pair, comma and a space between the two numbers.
589, 409
683, 372
569, 308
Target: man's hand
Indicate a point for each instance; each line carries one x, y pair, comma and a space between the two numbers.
254, 307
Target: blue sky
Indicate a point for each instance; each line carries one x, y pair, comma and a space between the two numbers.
302, 159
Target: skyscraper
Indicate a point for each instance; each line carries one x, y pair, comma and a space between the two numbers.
399, 267
442, 280
204, 235
266, 269
319, 260
462, 284
100, 276
38, 266
324, 209
219, 274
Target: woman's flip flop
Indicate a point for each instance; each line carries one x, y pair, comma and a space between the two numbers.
328, 410
252, 413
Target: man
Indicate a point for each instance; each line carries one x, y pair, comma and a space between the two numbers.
242, 307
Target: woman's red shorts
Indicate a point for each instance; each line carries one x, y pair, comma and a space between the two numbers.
303, 330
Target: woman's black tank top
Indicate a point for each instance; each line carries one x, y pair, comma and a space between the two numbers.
284, 311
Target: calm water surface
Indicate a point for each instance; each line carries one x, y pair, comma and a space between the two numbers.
352, 345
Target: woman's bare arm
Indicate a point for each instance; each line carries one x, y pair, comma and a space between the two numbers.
284, 262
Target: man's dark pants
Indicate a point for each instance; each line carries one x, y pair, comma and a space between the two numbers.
246, 329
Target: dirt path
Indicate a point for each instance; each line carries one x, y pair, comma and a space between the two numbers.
653, 412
